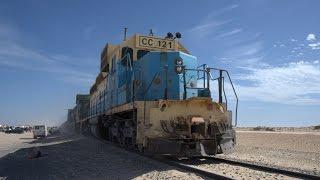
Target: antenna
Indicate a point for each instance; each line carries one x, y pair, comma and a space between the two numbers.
150, 33
125, 34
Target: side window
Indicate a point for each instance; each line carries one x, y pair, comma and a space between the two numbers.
113, 64
141, 53
125, 51
108, 68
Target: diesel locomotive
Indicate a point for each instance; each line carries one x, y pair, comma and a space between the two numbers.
151, 94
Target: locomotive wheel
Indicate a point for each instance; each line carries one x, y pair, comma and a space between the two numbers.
110, 136
133, 139
121, 139
140, 148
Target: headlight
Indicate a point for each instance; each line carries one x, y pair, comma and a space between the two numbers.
179, 61
179, 69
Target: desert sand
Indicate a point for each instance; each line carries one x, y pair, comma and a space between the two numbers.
12, 142
72, 156
298, 151
68, 155
293, 150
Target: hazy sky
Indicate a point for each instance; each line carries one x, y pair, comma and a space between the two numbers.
50, 50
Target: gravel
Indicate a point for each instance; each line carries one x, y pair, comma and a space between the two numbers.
238, 172
297, 151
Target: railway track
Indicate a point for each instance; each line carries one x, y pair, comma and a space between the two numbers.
171, 162
215, 175
256, 167
189, 168
265, 168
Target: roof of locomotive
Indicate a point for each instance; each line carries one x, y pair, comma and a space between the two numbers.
136, 43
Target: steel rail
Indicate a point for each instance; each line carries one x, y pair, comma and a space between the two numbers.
264, 168
191, 169
213, 175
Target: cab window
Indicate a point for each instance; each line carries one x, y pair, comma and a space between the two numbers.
113, 64
141, 53
125, 51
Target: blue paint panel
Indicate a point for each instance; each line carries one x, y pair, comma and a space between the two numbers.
191, 76
156, 66
163, 65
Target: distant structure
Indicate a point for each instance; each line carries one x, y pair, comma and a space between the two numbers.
80, 111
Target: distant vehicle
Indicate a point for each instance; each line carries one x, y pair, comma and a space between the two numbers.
8, 131
17, 130
52, 130
27, 128
39, 131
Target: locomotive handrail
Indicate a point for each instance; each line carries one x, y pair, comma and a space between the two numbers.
198, 70
187, 69
128, 58
207, 70
234, 91
203, 66
224, 93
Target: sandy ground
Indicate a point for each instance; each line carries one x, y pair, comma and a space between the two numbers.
12, 142
293, 150
71, 156
282, 129
77, 157
298, 151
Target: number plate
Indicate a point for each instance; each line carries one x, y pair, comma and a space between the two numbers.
150, 42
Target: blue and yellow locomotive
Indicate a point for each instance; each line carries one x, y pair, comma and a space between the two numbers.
151, 94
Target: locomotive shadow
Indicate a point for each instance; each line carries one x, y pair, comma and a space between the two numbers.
198, 161
25, 138
79, 158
